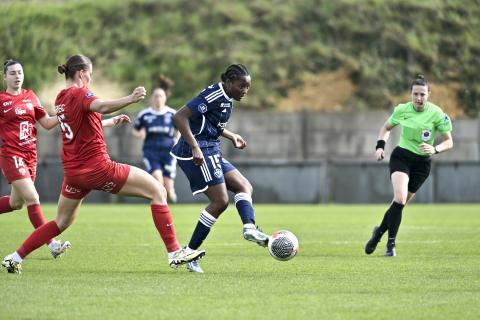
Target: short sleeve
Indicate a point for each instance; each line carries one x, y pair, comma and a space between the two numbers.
198, 105
38, 109
138, 124
395, 117
88, 98
443, 123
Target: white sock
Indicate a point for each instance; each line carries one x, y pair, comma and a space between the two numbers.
171, 254
16, 257
249, 226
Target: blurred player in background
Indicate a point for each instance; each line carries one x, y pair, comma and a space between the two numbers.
87, 165
201, 122
155, 125
410, 160
21, 109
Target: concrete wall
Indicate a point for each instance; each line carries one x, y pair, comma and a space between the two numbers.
298, 157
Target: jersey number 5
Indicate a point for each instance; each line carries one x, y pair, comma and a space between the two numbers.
66, 129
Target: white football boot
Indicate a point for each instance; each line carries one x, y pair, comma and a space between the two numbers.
58, 248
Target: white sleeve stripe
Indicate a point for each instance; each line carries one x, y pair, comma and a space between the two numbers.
213, 98
208, 96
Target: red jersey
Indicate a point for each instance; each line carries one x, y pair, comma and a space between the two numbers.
83, 145
18, 116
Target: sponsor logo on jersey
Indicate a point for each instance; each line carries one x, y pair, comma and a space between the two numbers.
89, 94
29, 105
70, 189
8, 103
6, 110
20, 111
222, 125
426, 135
225, 105
202, 108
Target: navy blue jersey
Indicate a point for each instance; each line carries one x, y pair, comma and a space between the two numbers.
211, 110
159, 127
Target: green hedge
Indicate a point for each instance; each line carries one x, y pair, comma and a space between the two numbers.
382, 44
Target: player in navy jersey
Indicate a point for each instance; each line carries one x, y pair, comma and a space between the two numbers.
201, 122
155, 125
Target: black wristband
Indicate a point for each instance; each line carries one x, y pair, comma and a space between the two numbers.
380, 144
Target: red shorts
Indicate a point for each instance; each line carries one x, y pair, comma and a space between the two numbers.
109, 177
16, 168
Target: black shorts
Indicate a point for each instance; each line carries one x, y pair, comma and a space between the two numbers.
416, 167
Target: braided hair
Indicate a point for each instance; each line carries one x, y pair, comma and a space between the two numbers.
234, 71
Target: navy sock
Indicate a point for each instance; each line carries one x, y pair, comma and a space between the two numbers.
204, 224
243, 202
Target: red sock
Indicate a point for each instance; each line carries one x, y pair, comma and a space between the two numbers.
36, 216
38, 238
5, 204
164, 222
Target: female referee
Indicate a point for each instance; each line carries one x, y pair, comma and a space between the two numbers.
410, 160
201, 122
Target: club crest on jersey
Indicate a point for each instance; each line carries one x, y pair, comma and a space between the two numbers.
202, 108
218, 173
426, 135
89, 94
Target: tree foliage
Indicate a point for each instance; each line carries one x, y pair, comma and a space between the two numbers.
382, 44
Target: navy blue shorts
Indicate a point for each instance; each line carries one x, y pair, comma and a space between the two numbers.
163, 162
210, 173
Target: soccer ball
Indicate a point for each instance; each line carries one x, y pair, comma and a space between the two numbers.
283, 245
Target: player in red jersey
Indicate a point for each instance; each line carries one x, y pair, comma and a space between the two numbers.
87, 165
20, 109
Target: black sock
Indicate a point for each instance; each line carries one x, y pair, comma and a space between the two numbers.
394, 218
383, 227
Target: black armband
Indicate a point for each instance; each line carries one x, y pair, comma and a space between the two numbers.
380, 144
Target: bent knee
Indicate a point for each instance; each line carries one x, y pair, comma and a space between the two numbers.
221, 204
159, 193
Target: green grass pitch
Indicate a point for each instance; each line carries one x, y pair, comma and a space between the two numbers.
117, 267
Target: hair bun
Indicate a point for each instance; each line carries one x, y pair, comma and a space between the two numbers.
164, 82
62, 69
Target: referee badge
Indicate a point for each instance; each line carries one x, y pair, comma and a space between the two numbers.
426, 135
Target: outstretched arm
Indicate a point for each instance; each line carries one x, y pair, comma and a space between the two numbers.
109, 106
48, 122
113, 121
